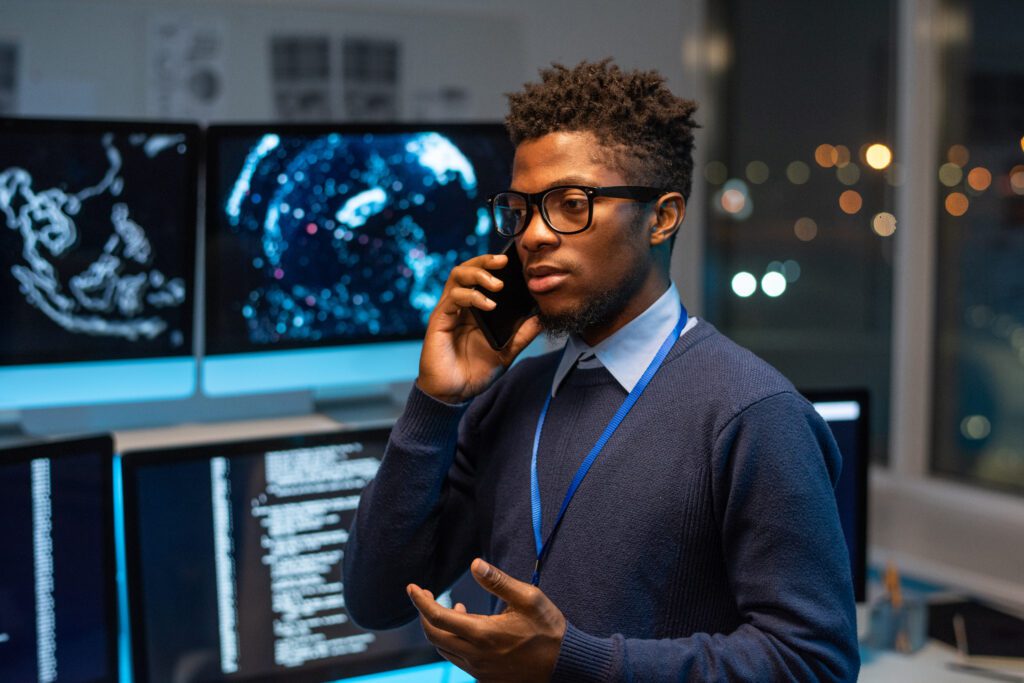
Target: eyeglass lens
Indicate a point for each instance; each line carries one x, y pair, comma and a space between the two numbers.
567, 209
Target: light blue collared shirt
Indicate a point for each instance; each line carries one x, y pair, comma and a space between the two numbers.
627, 353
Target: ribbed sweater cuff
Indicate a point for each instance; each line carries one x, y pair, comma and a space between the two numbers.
583, 657
429, 421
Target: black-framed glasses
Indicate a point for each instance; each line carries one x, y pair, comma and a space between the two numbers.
567, 209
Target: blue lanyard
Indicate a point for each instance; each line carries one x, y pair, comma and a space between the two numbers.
620, 415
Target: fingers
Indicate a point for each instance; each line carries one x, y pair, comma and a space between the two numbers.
460, 608
474, 272
527, 332
516, 593
454, 622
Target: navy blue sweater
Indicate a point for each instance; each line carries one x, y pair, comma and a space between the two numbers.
704, 544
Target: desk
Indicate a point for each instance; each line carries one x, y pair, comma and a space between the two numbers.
927, 665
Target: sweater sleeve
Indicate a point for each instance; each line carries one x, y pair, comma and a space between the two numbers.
774, 467
414, 523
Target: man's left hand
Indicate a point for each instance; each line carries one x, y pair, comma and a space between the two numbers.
520, 644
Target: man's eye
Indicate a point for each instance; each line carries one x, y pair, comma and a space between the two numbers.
574, 204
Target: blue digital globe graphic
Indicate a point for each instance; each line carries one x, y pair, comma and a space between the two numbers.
347, 237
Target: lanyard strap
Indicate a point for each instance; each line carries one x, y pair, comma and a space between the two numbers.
620, 414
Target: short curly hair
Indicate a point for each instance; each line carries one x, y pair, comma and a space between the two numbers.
648, 129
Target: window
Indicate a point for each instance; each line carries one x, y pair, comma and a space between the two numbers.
800, 185
978, 411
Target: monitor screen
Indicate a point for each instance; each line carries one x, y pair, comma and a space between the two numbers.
234, 562
58, 619
846, 413
97, 260
319, 238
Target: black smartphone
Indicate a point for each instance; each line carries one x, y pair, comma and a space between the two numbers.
514, 302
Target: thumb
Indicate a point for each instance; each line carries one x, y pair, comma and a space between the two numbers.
496, 582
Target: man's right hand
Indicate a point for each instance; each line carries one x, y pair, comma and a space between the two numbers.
457, 363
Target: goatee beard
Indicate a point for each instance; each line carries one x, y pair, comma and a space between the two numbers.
596, 312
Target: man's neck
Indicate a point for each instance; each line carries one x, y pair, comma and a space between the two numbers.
654, 286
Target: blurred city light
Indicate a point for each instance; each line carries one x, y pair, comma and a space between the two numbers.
773, 284
958, 155
757, 172
744, 284
826, 156
850, 202
848, 174
979, 178
805, 229
950, 174
1017, 179
975, 427
715, 172
884, 224
878, 156
842, 155
791, 269
734, 199
957, 203
798, 172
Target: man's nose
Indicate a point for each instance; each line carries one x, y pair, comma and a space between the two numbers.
538, 234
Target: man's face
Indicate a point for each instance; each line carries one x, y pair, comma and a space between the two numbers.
586, 280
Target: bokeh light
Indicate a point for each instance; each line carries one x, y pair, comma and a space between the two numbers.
805, 229
848, 174
878, 156
957, 203
979, 179
958, 155
826, 156
744, 284
773, 284
842, 155
1017, 179
715, 172
850, 202
733, 201
757, 172
791, 269
950, 174
884, 224
798, 172
975, 427
1022, 143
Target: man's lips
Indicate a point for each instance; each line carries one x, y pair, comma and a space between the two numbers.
541, 279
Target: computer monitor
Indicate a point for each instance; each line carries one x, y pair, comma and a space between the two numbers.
58, 609
97, 241
328, 247
846, 413
97, 261
235, 562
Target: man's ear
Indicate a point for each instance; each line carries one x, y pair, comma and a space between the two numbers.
668, 216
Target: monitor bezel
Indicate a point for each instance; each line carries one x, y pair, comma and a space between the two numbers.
103, 445
215, 134
132, 462
863, 425
194, 155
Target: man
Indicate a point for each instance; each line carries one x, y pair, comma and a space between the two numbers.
703, 542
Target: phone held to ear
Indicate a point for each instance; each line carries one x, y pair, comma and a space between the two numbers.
514, 304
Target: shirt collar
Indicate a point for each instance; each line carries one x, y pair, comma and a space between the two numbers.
627, 353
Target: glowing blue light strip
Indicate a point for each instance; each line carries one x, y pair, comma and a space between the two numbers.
442, 672
310, 368
124, 651
267, 144
71, 384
